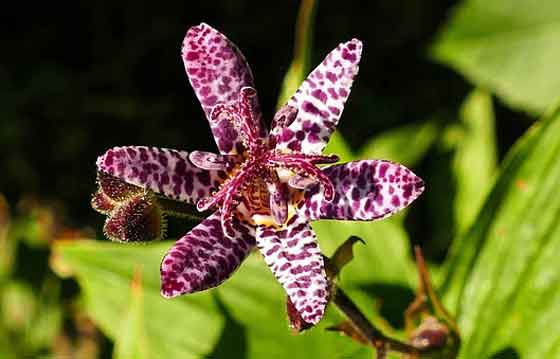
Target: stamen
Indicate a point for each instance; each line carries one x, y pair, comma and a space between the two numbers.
228, 205
313, 159
305, 169
251, 126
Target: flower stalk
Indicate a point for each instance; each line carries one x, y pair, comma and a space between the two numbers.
368, 331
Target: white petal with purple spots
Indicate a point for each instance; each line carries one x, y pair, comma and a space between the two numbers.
364, 190
293, 255
217, 71
204, 257
320, 100
164, 171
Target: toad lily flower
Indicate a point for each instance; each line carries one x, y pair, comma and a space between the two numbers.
263, 188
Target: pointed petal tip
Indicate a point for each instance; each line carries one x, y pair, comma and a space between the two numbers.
320, 100
358, 43
172, 289
204, 257
293, 255
107, 156
197, 28
365, 190
167, 294
419, 185
295, 320
352, 51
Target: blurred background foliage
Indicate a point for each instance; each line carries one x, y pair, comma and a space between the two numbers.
452, 89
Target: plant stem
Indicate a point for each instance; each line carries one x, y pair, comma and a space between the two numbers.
373, 335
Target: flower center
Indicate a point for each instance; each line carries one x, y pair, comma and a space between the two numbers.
262, 178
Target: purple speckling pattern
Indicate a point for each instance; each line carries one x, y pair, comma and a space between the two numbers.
293, 255
217, 71
321, 98
204, 257
164, 171
364, 190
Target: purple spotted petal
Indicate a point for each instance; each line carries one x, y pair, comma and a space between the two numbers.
364, 190
217, 72
164, 171
204, 257
293, 255
320, 100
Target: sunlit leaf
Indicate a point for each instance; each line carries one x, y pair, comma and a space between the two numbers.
19, 305
474, 161
407, 144
185, 327
192, 325
508, 46
131, 341
7, 245
503, 275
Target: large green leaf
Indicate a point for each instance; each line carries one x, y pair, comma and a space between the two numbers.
474, 161
244, 318
503, 275
508, 46
186, 327
131, 340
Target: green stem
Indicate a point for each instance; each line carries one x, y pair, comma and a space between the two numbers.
180, 209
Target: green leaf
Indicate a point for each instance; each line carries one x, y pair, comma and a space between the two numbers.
185, 327
338, 145
191, 326
302, 51
503, 275
7, 244
508, 46
131, 341
406, 145
474, 162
